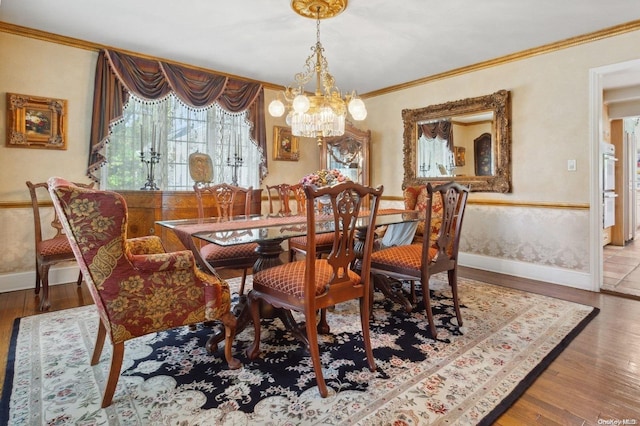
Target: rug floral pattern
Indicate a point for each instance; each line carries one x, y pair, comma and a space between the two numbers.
169, 378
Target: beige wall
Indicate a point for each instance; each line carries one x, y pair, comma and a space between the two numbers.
550, 125
550, 95
38, 68
550, 118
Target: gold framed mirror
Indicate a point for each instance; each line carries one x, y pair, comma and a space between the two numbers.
348, 153
480, 127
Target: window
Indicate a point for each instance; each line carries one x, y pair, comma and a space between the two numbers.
178, 131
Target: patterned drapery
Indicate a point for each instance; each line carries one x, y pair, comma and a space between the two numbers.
442, 129
119, 74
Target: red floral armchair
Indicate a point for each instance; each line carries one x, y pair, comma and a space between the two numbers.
416, 198
137, 287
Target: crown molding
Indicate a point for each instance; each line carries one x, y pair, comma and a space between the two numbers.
547, 48
541, 50
96, 47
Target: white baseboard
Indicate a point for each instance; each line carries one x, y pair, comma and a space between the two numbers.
26, 280
532, 271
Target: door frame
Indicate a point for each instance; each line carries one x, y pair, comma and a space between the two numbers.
596, 105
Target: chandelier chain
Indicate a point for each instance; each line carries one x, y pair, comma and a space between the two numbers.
323, 113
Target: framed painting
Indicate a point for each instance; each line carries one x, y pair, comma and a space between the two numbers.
460, 156
36, 122
285, 145
483, 155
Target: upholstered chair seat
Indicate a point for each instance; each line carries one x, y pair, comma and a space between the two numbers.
240, 253
56, 246
288, 279
403, 259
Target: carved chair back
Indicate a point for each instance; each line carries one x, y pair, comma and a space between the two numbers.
279, 194
226, 197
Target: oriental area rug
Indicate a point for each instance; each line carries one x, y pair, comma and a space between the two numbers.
469, 375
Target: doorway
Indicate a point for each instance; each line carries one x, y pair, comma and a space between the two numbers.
611, 91
621, 261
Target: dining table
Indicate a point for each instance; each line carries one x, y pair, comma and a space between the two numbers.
269, 232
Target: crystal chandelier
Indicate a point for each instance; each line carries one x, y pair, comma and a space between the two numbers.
323, 113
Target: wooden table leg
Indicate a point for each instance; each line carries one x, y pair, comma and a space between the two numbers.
388, 286
269, 251
392, 289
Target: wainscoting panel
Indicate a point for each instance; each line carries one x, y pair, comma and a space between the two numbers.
551, 237
18, 242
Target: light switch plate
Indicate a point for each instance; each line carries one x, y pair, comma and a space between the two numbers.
571, 165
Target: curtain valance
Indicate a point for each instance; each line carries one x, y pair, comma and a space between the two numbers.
442, 129
119, 74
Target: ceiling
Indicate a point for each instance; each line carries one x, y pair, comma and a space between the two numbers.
371, 46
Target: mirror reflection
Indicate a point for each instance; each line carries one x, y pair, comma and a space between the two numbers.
348, 153
468, 140
456, 146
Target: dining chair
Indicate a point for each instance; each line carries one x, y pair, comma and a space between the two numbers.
52, 245
225, 198
438, 251
323, 242
279, 194
313, 284
137, 287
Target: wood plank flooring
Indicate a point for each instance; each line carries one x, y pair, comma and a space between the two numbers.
596, 379
621, 269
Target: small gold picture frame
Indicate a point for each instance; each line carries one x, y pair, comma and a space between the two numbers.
460, 156
36, 122
285, 145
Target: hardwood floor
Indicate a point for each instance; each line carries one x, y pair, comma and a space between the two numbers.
621, 269
594, 380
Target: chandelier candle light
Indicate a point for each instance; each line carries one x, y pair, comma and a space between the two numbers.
323, 113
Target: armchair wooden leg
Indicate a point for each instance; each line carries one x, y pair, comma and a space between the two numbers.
229, 321
114, 374
37, 278
254, 306
453, 282
97, 349
44, 300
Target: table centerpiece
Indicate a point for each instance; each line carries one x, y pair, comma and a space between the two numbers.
323, 178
